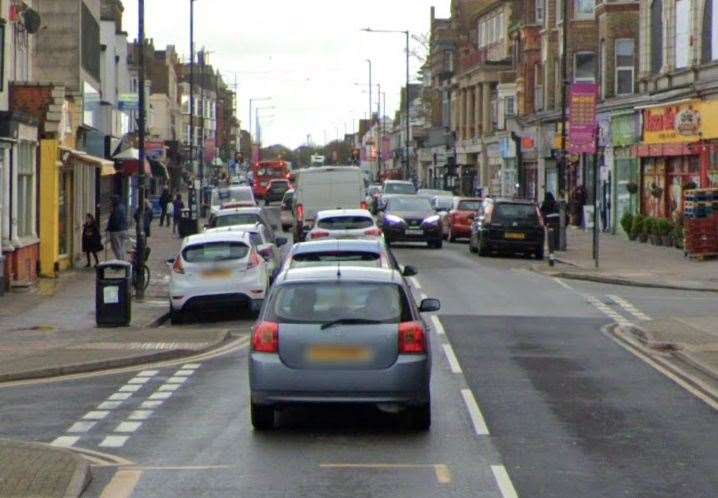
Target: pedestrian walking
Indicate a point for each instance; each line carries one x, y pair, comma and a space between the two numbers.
91, 239
549, 205
148, 217
117, 228
177, 207
165, 200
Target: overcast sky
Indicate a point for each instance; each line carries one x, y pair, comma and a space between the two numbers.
309, 55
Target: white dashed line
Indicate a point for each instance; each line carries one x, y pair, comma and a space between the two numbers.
606, 310
184, 372
563, 284
138, 380
128, 426
168, 387
114, 441
148, 373
151, 404
119, 396
163, 395
130, 388
95, 415
176, 380
631, 308
81, 427
451, 358
65, 441
109, 405
192, 366
438, 327
140, 415
477, 419
414, 282
504, 481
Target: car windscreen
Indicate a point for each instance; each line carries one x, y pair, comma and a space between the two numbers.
229, 220
226, 196
509, 213
211, 252
345, 222
324, 302
409, 204
271, 172
469, 206
351, 258
443, 202
399, 188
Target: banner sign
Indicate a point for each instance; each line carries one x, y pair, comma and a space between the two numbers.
681, 123
582, 118
128, 102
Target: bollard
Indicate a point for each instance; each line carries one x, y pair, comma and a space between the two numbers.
550, 234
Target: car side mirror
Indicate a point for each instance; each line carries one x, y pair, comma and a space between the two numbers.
409, 271
281, 241
170, 261
430, 305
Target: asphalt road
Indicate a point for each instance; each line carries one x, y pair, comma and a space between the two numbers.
529, 397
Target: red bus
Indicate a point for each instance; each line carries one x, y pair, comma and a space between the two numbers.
264, 171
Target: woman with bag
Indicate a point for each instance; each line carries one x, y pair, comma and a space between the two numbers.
91, 239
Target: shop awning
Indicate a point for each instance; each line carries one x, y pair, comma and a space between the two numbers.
107, 167
129, 161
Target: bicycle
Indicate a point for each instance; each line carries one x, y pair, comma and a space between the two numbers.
137, 268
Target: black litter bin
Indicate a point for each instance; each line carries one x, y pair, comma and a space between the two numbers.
113, 296
187, 226
553, 224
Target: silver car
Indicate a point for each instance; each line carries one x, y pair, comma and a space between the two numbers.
341, 334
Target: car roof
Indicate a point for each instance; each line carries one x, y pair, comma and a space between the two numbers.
398, 181
508, 200
367, 245
219, 236
257, 227
238, 210
335, 273
343, 212
319, 169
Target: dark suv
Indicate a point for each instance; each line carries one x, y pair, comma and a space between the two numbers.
508, 225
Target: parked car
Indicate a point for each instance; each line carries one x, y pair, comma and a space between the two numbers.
264, 241
344, 224
230, 197
458, 221
328, 187
215, 271
341, 335
394, 187
285, 211
408, 218
239, 216
276, 190
510, 226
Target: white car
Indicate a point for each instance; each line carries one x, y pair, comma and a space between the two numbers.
344, 224
214, 271
232, 197
263, 241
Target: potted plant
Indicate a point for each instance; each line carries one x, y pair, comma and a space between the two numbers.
656, 191
638, 228
649, 228
632, 187
627, 225
678, 233
665, 230
690, 186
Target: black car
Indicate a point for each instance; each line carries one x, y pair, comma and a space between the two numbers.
509, 226
408, 218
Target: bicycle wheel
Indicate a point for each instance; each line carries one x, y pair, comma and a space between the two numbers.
147, 274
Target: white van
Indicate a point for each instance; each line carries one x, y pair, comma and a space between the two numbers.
329, 187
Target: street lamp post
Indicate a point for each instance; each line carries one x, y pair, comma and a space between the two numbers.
258, 131
408, 126
191, 83
370, 89
139, 228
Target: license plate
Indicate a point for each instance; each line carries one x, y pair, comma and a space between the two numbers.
414, 231
216, 273
339, 354
514, 236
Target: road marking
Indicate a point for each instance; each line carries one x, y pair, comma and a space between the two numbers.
504, 481
138, 380
443, 474
95, 415
119, 396
163, 395
438, 327
630, 308
192, 366
128, 426
122, 485
477, 419
81, 427
130, 388
176, 380
441, 471
109, 405
168, 387
414, 282
148, 373
151, 404
606, 310
184, 372
563, 284
65, 441
451, 358
114, 442
140, 415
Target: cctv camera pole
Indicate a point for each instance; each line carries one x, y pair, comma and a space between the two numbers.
140, 232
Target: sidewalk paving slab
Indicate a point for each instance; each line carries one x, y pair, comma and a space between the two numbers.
623, 262
39, 470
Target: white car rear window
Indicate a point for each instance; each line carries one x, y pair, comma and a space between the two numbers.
345, 223
215, 251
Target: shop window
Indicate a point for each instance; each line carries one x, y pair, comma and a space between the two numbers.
682, 41
656, 36
710, 31
584, 69
625, 66
25, 198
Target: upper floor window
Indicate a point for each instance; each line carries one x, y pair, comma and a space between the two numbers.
490, 30
656, 36
538, 12
2, 54
584, 69
584, 9
710, 31
625, 66
559, 11
538, 88
683, 33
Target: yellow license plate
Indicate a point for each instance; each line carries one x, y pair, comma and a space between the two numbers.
216, 273
514, 236
338, 354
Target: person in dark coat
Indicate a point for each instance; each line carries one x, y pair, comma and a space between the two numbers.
91, 239
177, 207
148, 217
549, 205
117, 228
165, 199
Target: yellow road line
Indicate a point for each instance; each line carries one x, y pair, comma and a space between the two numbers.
122, 485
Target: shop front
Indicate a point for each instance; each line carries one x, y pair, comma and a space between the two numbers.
625, 132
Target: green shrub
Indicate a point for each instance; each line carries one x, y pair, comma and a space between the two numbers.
627, 222
649, 226
663, 227
638, 225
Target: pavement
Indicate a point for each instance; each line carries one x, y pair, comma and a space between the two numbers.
625, 262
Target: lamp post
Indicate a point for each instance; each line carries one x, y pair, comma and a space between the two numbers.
408, 126
140, 228
370, 89
259, 130
191, 84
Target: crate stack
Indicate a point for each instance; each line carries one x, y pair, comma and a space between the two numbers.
700, 227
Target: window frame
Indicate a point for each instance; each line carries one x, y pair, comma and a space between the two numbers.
656, 57
683, 36
617, 68
2, 54
583, 16
592, 79
539, 12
